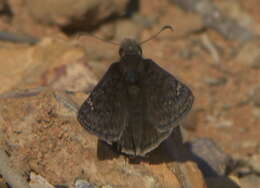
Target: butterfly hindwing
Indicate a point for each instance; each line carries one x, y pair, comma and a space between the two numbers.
142, 139
99, 114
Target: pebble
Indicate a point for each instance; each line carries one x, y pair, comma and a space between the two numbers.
84, 184
211, 81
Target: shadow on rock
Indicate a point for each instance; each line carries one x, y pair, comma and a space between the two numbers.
211, 160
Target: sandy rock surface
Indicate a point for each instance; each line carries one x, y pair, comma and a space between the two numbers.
46, 72
43, 136
56, 63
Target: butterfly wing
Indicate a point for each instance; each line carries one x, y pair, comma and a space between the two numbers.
103, 113
168, 100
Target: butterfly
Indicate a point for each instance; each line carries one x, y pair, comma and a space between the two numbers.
136, 104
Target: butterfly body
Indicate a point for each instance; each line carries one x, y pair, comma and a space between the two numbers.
136, 104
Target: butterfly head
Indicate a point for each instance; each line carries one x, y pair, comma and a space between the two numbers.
130, 47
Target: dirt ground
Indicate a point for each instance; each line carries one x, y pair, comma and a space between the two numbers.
222, 73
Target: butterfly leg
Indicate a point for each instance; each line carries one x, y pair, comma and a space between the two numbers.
105, 151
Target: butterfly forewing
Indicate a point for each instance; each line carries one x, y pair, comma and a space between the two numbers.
168, 100
104, 112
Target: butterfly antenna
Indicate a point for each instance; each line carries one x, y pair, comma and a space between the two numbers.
155, 35
96, 37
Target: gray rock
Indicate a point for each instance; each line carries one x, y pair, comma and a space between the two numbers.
211, 81
255, 96
80, 15
213, 18
250, 181
211, 160
84, 184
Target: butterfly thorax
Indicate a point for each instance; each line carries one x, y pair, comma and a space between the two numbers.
130, 60
131, 69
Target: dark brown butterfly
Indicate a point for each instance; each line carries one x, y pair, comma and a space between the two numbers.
136, 104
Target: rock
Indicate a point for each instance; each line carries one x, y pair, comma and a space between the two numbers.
37, 181
81, 14
3, 183
246, 166
42, 135
36, 17
220, 123
255, 96
249, 54
84, 184
236, 11
214, 18
255, 63
222, 182
61, 186
210, 158
190, 123
250, 181
127, 29
249, 143
211, 81
2, 4
187, 174
53, 63
254, 162
224, 123
146, 22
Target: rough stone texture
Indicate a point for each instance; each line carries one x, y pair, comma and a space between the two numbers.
35, 17
227, 112
43, 136
210, 158
215, 19
250, 181
66, 12
55, 63
222, 182
126, 28
255, 96
37, 181
2, 4
249, 54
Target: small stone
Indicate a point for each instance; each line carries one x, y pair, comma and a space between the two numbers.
249, 143
211, 160
146, 22
250, 181
256, 62
255, 96
61, 186
150, 181
221, 182
188, 173
215, 81
254, 162
224, 124
256, 113
243, 171
106, 186
84, 184
187, 54
127, 28
3, 183
37, 181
